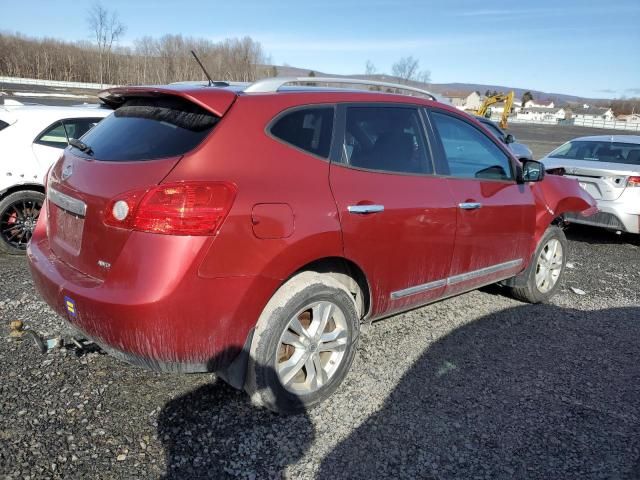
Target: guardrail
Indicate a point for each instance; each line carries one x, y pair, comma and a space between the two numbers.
53, 83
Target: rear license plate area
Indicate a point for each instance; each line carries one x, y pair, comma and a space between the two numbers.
66, 229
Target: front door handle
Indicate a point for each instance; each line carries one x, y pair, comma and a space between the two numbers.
365, 209
469, 205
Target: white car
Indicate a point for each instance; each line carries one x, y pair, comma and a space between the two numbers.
32, 138
608, 167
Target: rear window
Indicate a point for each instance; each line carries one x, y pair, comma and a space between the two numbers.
148, 129
595, 151
307, 128
3, 125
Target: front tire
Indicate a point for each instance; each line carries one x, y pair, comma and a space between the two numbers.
19, 213
544, 275
304, 344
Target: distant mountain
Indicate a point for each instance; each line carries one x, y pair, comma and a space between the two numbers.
441, 88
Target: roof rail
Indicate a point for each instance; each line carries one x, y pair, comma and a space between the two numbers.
273, 84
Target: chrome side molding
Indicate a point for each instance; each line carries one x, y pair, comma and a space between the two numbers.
418, 289
65, 202
463, 277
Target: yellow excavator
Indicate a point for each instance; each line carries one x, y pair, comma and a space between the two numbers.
501, 97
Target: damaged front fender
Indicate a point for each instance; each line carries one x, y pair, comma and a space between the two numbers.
555, 196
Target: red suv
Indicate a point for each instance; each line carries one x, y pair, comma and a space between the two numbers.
250, 231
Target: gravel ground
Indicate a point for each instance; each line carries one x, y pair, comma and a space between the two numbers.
477, 386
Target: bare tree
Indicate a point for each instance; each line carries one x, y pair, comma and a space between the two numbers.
107, 29
370, 68
148, 60
406, 68
424, 76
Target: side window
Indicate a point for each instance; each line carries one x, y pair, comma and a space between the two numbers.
77, 127
54, 136
309, 129
385, 138
470, 153
3, 125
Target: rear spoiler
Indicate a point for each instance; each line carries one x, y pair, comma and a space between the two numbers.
216, 100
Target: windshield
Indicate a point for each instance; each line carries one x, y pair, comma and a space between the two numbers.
599, 151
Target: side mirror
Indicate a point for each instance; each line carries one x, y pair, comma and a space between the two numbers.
509, 139
532, 171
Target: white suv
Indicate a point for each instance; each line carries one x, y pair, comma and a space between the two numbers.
32, 138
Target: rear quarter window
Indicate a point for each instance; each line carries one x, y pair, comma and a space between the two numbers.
309, 129
54, 136
3, 125
149, 129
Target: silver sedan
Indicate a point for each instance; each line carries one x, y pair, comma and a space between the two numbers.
608, 167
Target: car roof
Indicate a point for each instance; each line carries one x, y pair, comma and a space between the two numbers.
34, 118
51, 113
80, 110
635, 139
213, 97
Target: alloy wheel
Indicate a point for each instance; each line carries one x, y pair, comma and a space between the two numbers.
18, 221
312, 347
549, 265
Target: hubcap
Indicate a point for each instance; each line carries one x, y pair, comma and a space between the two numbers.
312, 347
18, 221
549, 266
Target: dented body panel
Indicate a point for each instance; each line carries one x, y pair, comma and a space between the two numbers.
556, 196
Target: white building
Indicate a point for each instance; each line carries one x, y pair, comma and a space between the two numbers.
593, 113
498, 108
633, 118
542, 114
465, 101
541, 104
473, 101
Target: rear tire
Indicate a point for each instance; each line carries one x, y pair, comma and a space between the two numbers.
19, 213
304, 344
544, 275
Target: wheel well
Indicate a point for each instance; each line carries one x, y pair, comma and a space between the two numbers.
349, 274
21, 188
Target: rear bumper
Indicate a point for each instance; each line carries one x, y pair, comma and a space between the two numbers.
164, 319
612, 215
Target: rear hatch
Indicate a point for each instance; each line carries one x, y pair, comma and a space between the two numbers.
603, 180
132, 150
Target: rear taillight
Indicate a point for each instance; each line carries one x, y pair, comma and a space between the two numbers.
633, 182
190, 208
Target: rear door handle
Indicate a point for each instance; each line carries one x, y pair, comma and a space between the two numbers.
365, 209
469, 205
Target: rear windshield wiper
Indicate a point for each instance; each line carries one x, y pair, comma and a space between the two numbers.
83, 147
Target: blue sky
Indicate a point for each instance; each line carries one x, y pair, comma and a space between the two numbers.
581, 47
